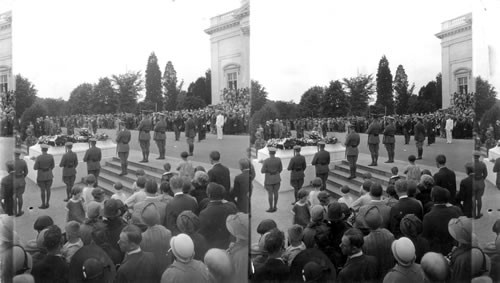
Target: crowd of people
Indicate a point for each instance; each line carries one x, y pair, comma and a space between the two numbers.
419, 229
7, 113
190, 227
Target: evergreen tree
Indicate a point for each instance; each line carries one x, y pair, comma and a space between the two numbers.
359, 90
384, 86
485, 97
105, 99
153, 82
128, 86
79, 99
25, 95
335, 100
401, 91
170, 87
258, 96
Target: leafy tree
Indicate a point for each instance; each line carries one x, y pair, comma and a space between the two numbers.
286, 109
153, 82
359, 90
401, 90
191, 102
335, 100
170, 86
105, 99
55, 107
384, 86
489, 118
198, 89
439, 92
267, 112
79, 99
25, 94
128, 86
37, 109
258, 96
485, 96
311, 101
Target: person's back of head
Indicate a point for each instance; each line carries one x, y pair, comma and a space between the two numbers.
367, 185
52, 238
274, 241
376, 190
469, 168
394, 170
186, 185
219, 264
244, 163
90, 180
141, 182
72, 229
167, 167
441, 159
412, 158
215, 156
401, 187
133, 233
151, 187
412, 188
176, 184
215, 191
440, 195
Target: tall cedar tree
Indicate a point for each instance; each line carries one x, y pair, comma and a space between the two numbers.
335, 101
401, 91
153, 82
359, 90
170, 86
25, 95
310, 101
128, 86
384, 86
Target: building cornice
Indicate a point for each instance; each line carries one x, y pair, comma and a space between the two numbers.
221, 27
453, 31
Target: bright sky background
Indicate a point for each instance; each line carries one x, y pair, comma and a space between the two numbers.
297, 44
59, 44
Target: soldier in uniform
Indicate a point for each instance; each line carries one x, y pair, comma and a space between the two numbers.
351, 149
145, 126
44, 164
297, 166
177, 126
93, 158
272, 168
122, 147
373, 140
159, 136
419, 131
20, 173
321, 161
389, 141
407, 128
69, 162
190, 133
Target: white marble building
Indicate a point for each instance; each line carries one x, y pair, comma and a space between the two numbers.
6, 77
230, 50
456, 56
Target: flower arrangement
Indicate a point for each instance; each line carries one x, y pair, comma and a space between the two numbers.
83, 136
313, 140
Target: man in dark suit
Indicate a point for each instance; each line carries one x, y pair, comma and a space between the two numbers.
145, 126
389, 141
445, 177
44, 164
178, 204
122, 147
480, 174
419, 131
159, 136
351, 149
373, 140
190, 133
407, 129
465, 195
178, 123
137, 266
69, 162
358, 267
272, 168
436, 222
297, 166
93, 158
52, 267
404, 206
321, 161
242, 190
219, 173
21, 171
213, 218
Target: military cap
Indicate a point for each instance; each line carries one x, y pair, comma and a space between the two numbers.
297, 147
271, 149
321, 143
68, 144
92, 140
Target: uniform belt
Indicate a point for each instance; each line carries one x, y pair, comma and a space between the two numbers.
45, 169
323, 163
69, 167
375, 135
147, 132
353, 146
273, 173
391, 136
19, 176
125, 142
298, 170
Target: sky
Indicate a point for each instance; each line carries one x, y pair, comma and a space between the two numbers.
60, 44
297, 44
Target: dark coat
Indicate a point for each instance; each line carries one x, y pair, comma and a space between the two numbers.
351, 144
296, 167
389, 133
122, 140
359, 269
213, 223
177, 205
272, 167
138, 267
44, 164
403, 207
190, 127
220, 174
160, 129
69, 161
145, 126
464, 196
446, 178
273, 270
419, 131
241, 191
93, 158
373, 131
85, 252
436, 228
321, 161
51, 269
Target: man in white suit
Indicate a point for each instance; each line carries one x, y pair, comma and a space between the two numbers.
448, 128
219, 123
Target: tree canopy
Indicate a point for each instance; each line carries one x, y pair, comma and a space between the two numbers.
25, 95
359, 89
